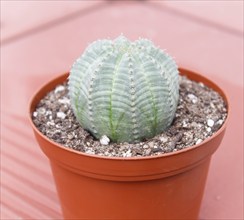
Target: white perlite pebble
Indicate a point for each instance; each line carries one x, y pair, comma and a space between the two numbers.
145, 146
50, 123
64, 101
208, 129
89, 151
41, 111
210, 122
201, 84
184, 124
59, 89
220, 121
104, 140
164, 139
127, 153
198, 141
193, 98
151, 144
48, 112
35, 114
61, 115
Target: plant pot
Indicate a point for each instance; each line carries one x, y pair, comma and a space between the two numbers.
168, 186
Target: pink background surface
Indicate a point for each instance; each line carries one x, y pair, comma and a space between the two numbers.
40, 40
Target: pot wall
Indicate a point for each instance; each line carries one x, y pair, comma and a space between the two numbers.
174, 197
169, 186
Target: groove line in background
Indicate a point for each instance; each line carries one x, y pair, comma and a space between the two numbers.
14, 118
41, 188
33, 199
12, 122
52, 23
16, 211
21, 204
15, 129
197, 19
23, 163
8, 213
45, 182
43, 208
13, 115
91, 9
22, 149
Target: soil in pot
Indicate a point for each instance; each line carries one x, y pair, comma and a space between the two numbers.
200, 113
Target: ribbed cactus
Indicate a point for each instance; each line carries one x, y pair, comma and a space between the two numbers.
125, 90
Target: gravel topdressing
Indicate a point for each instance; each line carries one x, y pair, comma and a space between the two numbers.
200, 113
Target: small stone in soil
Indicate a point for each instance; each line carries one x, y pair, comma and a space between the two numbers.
59, 89
35, 114
61, 115
193, 98
208, 129
104, 140
198, 141
210, 122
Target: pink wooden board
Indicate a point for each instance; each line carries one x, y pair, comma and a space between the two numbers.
27, 188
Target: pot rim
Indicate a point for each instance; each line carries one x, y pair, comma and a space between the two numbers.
183, 72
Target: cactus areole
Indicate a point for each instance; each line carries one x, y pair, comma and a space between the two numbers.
125, 90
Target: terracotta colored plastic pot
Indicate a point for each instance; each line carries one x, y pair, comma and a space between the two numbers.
169, 186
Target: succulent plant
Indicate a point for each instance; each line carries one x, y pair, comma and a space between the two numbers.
125, 90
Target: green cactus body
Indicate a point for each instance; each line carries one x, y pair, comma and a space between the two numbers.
125, 90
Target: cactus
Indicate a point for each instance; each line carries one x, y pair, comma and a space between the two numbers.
125, 90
